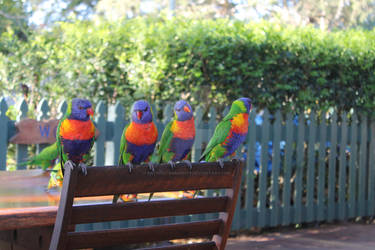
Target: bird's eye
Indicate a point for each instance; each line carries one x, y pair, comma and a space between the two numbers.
146, 109
178, 110
80, 107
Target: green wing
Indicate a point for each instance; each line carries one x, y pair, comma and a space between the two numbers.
165, 141
44, 158
221, 132
63, 157
124, 157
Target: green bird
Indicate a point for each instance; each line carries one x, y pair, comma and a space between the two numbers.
45, 158
229, 133
178, 137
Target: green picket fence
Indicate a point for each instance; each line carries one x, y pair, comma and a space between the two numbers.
317, 167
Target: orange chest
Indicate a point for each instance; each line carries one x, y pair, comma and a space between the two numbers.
183, 129
240, 123
77, 130
141, 134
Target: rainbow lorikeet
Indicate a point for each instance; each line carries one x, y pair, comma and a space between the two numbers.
229, 133
46, 158
138, 139
178, 136
75, 134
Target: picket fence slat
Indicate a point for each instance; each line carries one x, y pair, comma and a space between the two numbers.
3, 133
250, 160
362, 168
311, 169
275, 171
332, 169
21, 149
263, 170
43, 114
353, 168
287, 167
321, 215
342, 168
371, 174
101, 123
299, 170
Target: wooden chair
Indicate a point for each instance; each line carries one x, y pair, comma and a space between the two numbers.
117, 180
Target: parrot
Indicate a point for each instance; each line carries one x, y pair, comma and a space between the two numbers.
178, 136
45, 158
138, 139
75, 134
229, 133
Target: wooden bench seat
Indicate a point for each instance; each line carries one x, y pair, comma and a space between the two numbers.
118, 180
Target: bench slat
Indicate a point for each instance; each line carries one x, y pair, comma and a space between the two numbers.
137, 210
194, 246
138, 235
142, 180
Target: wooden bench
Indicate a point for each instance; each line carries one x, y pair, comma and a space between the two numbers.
118, 180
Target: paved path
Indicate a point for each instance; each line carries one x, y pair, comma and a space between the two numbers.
341, 236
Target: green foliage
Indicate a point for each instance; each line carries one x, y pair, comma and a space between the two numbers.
208, 62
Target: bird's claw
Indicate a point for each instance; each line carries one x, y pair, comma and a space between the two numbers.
221, 163
69, 165
172, 164
83, 168
130, 166
188, 163
151, 166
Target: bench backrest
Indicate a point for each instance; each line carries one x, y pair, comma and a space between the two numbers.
118, 180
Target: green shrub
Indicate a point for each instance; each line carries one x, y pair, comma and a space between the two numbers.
209, 62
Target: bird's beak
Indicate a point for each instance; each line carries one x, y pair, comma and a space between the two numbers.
90, 111
139, 115
186, 109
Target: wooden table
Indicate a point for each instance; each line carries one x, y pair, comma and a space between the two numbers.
27, 210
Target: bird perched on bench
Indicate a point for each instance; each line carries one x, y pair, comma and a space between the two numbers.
138, 140
75, 134
229, 133
178, 136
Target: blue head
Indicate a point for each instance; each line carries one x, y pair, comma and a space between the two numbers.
247, 102
80, 109
141, 112
183, 110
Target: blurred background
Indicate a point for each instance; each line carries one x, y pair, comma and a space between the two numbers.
285, 54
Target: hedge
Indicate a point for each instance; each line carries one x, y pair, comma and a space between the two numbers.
208, 62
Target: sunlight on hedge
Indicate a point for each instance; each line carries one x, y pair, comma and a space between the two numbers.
210, 62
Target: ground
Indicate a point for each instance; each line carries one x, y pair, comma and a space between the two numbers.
343, 236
